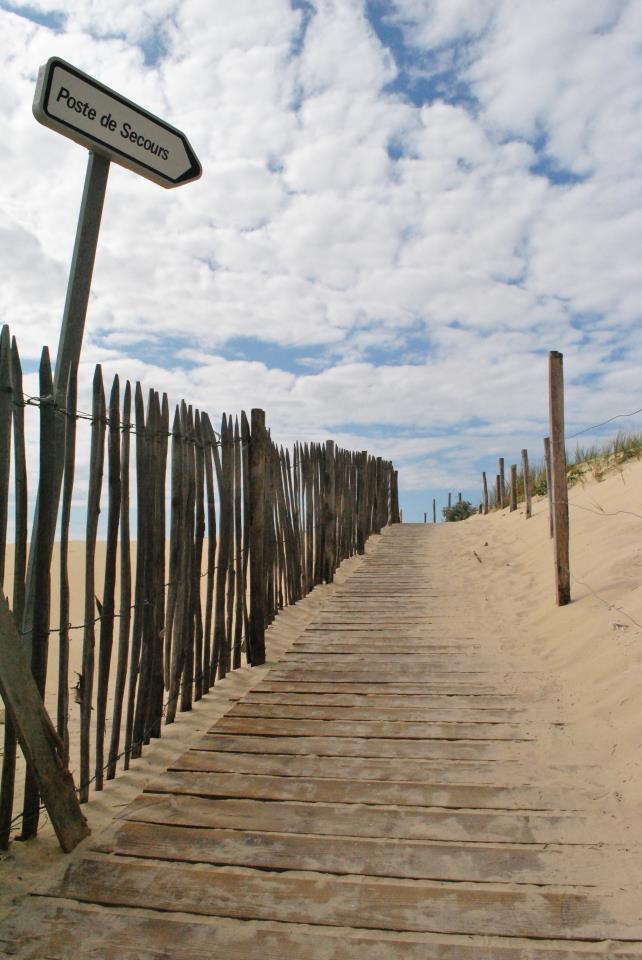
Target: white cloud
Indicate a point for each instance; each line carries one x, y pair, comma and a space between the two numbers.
413, 255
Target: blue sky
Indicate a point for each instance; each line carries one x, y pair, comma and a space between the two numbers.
405, 204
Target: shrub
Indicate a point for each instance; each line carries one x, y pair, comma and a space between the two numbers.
458, 511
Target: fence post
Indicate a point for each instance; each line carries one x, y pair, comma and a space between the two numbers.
498, 492
258, 464
558, 473
329, 512
549, 484
527, 484
434, 510
485, 486
513, 487
502, 484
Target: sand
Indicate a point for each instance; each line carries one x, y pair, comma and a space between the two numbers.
587, 656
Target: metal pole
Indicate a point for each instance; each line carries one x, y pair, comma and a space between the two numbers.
68, 356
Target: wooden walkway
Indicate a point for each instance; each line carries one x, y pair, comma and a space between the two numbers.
376, 796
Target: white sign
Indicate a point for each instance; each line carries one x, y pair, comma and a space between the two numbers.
100, 119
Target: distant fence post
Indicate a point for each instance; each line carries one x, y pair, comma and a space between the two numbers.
502, 484
434, 510
549, 484
258, 465
425, 517
498, 492
450, 500
558, 472
513, 487
395, 516
485, 486
527, 484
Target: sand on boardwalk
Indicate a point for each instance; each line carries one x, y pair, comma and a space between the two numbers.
33, 865
587, 656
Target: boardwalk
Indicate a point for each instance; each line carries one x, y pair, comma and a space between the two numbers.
379, 794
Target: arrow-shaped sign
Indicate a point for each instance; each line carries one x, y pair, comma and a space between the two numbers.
105, 122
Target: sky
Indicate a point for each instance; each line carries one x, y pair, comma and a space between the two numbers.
405, 204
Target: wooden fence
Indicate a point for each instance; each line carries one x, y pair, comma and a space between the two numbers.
252, 528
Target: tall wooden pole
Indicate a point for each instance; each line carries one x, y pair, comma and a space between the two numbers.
485, 486
558, 472
502, 485
434, 510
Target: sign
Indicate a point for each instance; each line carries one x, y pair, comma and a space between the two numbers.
105, 122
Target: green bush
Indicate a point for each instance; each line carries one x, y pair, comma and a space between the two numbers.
458, 511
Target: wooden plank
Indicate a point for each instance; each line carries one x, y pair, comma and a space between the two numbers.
507, 772
37, 736
366, 747
393, 729
423, 906
506, 705
360, 820
406, 859
54, 930
323, 790
372, 713
444, 686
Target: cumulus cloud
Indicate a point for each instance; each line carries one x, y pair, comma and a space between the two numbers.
405, 205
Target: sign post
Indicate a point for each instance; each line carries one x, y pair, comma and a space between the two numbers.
114, 129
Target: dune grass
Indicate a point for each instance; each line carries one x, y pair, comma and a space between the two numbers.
595, 460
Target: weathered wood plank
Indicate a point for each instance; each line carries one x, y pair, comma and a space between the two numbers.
384, 729
373, 713
423, 906
410, 859
366, 747
107, 933
357, 768
383, 700
319, 790
361, 820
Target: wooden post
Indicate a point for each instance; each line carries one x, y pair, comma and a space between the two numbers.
41, 584
39, 741
513, 487
434, 510
485, 486
459, 498
549, 485
527, 484
498, 492
425, 518
558, 475
450, 500
502, 484
258, 465
125, 579
329, 511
